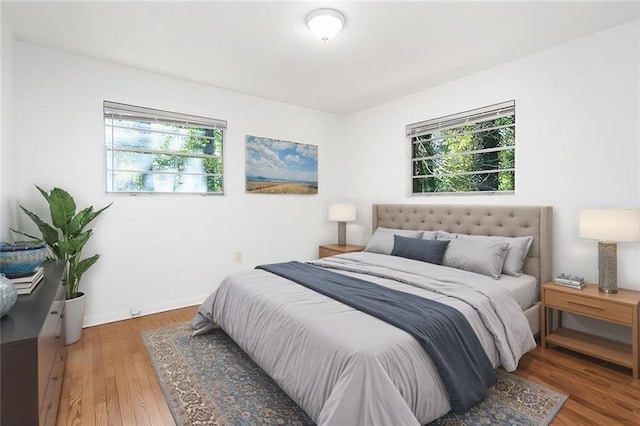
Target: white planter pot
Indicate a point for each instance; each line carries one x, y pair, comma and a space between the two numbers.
73, 319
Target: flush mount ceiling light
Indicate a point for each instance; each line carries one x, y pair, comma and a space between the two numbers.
325, 23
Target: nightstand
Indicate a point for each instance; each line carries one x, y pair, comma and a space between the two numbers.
333, 249
619, 308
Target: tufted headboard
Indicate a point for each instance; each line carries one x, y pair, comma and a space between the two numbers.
506, 221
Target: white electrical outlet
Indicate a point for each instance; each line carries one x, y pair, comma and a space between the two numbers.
238, 257
136, 311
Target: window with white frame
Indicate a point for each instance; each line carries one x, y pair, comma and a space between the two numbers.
154, 151
469, 152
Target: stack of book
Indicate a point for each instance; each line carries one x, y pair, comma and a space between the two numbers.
570, 281
26, 284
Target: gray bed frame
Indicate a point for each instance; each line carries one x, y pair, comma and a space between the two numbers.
506, 221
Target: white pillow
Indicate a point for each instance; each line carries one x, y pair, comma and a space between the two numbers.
516, 253
382, 240
482, 257
430, 235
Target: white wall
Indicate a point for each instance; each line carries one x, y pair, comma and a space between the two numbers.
576, 130
8, 143
577, 133
578, 146
163, 251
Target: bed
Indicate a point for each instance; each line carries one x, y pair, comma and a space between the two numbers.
345, 367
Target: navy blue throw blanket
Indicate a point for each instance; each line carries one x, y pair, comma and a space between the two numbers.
444, 332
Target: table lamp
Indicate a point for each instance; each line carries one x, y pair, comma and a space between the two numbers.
609, 226
342, 213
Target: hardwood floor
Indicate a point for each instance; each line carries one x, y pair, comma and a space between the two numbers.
109, 380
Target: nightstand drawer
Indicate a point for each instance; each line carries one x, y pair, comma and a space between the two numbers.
595, 308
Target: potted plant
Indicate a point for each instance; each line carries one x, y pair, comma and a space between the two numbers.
66, 236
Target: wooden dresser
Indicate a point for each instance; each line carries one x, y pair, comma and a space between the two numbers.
33, 353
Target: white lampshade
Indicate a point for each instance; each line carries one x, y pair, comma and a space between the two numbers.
609, 224
342, 212
325, 23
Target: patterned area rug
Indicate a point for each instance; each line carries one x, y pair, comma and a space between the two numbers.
209, 380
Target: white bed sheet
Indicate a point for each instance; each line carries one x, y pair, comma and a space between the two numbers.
524, 288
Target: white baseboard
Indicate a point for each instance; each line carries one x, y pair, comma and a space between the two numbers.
90, 321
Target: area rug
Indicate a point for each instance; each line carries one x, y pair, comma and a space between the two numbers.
209, 380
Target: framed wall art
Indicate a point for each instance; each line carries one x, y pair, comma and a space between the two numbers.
280, 167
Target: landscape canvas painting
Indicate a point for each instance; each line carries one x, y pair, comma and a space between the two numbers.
281, 167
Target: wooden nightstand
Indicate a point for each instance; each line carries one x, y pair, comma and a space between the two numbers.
333, 249
620, 308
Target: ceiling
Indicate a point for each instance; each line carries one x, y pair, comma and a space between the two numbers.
386, 49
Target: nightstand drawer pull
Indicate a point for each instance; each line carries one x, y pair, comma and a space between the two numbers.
585, 305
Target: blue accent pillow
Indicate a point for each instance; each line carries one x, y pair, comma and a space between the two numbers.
382, 239
431, 251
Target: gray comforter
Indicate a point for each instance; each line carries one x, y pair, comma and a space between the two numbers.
344, 367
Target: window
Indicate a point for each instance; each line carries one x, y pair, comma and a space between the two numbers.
470, 152
153, 151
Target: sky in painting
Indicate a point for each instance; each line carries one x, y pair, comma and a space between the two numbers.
281, 160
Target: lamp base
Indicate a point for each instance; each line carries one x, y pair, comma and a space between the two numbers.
607, 267
342, 233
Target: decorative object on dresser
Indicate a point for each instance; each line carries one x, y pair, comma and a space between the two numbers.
609, 226
327, 250
8, 295
66, 236
33, 353
620, 308
26, 284
342, 213
20, 258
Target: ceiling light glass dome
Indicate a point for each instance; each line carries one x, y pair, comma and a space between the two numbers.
325, 23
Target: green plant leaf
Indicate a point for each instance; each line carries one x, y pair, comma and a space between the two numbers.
83, 218
44, 193
15, 231
84, 264
74, 246
62, 208
49, 234
95, 214
80, 220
